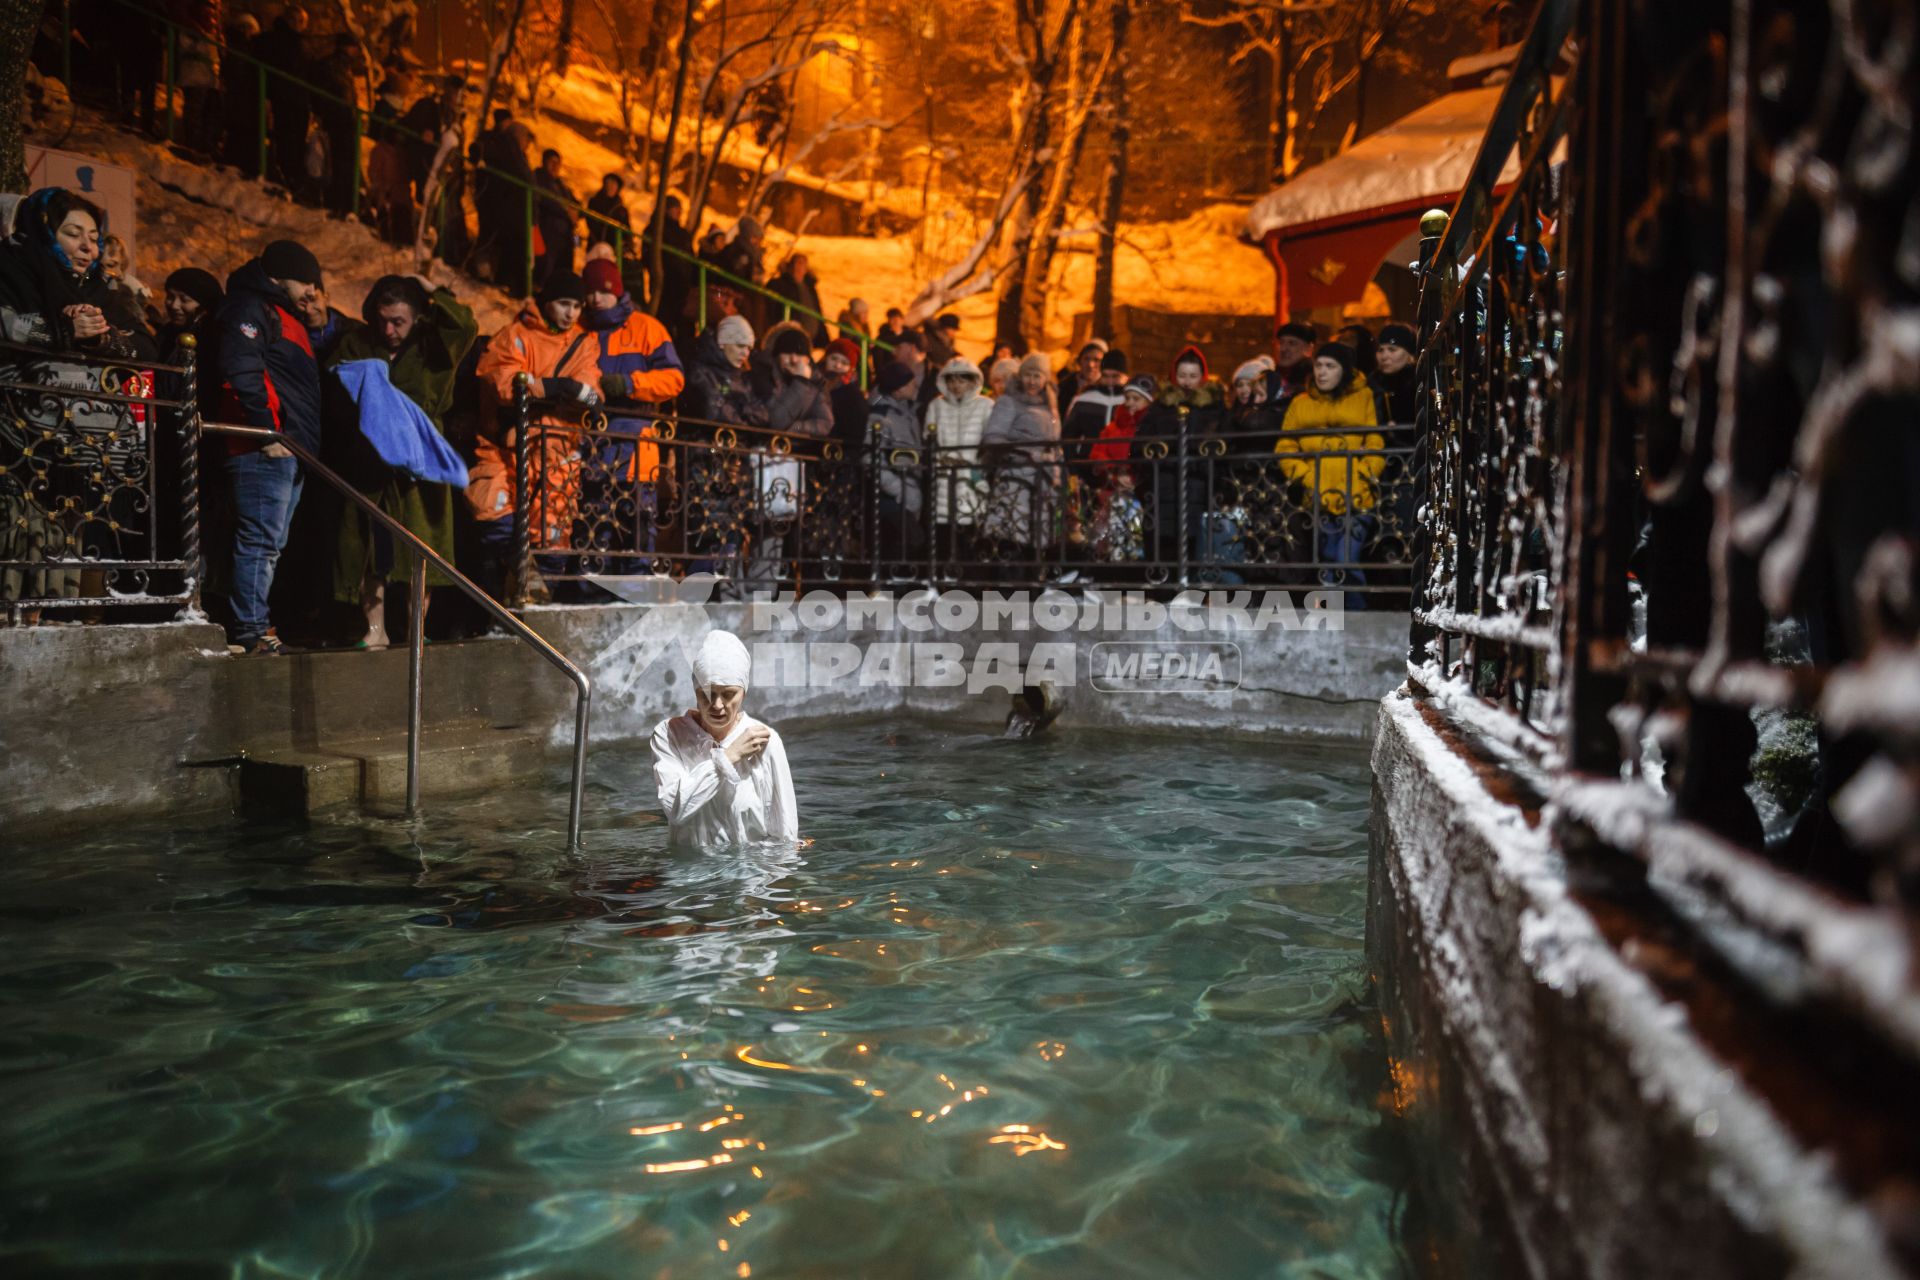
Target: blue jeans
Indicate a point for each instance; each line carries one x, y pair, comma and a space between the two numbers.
265, 492
1343, 539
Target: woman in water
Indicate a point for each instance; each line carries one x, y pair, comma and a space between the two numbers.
722, 775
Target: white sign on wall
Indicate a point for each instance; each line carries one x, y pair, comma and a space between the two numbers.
110, 186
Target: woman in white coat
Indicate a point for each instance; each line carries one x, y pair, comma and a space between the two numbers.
722, 775
957, 417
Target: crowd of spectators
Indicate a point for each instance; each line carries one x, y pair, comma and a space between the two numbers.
400, 391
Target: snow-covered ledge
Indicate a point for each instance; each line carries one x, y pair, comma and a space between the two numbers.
1567, 1118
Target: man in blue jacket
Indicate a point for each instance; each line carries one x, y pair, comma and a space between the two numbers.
268, 378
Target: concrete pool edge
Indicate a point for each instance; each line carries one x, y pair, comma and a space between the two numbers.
1568, 1119
111, 723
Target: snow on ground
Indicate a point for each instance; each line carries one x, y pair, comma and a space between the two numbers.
1197, 265
194, 215
587, 94
211, 217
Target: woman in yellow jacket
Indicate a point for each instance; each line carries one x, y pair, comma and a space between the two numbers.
1330, 420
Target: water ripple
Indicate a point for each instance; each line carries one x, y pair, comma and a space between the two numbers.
1080, 1006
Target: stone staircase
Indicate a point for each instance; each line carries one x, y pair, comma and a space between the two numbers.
370, 773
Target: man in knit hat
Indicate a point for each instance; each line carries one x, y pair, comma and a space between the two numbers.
722, 776
268, 378
1090, 411
1293, 345
562, 364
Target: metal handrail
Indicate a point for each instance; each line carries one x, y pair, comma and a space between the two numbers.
583, 687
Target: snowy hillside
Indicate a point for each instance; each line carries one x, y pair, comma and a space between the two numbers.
195, 215
200, 216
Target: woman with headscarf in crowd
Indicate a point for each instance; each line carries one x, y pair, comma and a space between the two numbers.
721, 775
1020, 448
54, 294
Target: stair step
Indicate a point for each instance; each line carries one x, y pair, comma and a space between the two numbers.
371, 773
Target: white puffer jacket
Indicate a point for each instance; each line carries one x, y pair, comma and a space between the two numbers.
957, 424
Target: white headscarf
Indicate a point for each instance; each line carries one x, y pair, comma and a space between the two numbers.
722, 659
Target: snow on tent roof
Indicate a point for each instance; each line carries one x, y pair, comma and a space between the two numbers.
1427, 153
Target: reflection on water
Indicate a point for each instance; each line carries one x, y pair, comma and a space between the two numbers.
1067, 1007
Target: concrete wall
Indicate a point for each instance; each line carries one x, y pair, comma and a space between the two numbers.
1569, 1119
1322, 682
113, 721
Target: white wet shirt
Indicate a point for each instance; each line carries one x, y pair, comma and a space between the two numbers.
711, 803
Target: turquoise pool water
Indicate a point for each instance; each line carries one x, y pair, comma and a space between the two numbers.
1082, 1006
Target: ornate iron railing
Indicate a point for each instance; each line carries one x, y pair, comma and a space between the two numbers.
1671, 546
99, 481
765, 508
1491, 371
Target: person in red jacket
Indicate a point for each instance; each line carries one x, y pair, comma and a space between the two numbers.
1118, 514
268, 378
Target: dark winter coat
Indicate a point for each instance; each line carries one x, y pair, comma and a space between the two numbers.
265, 363
284, 49
803, 293
1284, 384
1206, 413
425, 119
551, 211
716, 391
1396, 395
1086, 418
849, 415
1255, 427
614, 210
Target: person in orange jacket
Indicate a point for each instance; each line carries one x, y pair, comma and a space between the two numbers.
562, 364
639, 370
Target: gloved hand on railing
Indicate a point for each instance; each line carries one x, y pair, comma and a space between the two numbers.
568, 389
614, 386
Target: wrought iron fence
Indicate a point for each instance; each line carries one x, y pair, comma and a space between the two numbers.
1672, 539
99, 481
765, 508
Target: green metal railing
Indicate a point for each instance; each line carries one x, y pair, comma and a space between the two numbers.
704, 271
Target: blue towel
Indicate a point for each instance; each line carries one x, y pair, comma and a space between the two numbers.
399, 430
